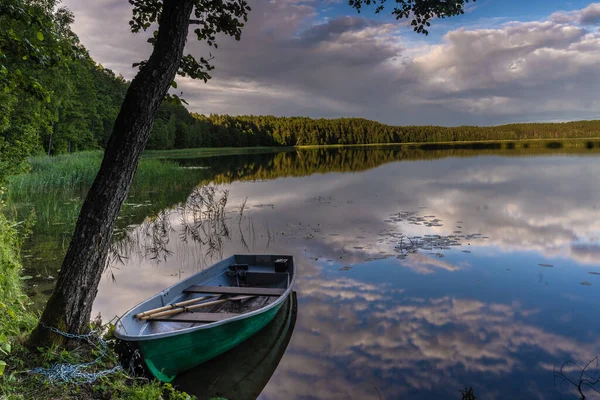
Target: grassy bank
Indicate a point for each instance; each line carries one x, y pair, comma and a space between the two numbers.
17, 322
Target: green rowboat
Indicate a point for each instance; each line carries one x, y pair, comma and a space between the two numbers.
208, 313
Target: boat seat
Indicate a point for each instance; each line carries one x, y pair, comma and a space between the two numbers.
256, 278
253, 291
191, 316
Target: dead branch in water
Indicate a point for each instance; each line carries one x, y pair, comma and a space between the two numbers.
585, 379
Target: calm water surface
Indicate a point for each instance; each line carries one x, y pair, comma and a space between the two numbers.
415, 278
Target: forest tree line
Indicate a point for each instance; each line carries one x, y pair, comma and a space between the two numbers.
224, 130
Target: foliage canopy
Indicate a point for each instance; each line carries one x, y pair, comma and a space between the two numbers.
52, 94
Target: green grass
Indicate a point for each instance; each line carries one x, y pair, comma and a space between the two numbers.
14, 322
49, 173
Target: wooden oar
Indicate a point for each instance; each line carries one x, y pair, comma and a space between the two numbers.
171, 306
182, 309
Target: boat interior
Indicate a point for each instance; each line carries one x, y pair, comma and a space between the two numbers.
237, 285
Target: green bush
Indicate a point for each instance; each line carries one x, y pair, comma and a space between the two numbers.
16, 321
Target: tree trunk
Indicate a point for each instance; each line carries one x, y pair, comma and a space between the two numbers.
50, 143
70, 305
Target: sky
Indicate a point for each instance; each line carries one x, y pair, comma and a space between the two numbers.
502, 61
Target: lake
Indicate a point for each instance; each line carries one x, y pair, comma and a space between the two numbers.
420, 273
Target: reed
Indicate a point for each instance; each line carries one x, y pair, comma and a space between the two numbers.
47, 173
77, 171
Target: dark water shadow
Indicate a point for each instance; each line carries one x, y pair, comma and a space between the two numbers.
463, 146
243, 372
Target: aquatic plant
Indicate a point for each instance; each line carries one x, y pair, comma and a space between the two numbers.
467, 394
583, 377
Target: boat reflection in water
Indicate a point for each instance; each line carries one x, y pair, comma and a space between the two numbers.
243, 372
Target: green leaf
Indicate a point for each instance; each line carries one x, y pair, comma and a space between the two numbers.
40, 36
2, 367
26, 277
174, 84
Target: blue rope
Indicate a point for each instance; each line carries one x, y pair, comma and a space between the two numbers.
75, 373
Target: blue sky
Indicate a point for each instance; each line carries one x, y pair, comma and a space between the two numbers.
502, 61
482, 13
480, 10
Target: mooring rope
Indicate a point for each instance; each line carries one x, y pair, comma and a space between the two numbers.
76, 373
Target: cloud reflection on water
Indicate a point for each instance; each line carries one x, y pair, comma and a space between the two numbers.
353, 335
544, 203
422, 326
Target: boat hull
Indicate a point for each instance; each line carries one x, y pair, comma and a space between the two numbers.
244, 371
168, 356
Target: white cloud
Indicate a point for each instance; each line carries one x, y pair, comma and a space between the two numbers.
587, 16
292, 61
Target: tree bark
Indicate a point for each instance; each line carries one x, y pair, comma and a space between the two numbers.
70, 305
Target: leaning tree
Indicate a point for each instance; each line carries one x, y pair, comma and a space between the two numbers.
70, 305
